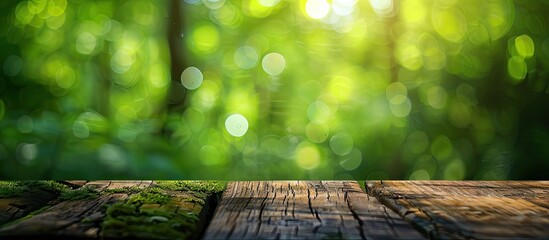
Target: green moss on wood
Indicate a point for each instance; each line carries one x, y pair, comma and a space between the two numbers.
137, 217
147, 213
18, 188
197, 186
10, 189
127, 190
150, 195
77, 194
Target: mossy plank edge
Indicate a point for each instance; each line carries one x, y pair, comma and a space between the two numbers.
27, 201
148, 214
85, 218
65, 219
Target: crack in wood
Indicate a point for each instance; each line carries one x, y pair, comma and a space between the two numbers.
261, 210
355, 216
309, 201
303, 210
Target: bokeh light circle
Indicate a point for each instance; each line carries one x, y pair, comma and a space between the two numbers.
341, 144
191, 78
317, 8
236, 125
246, 57
273, 64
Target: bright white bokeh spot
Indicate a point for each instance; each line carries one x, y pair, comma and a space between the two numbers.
269, 3
343, 7
191, 78
246, 57
317, 8
382, 6
236, 125
273, 64
85, 43
341, 144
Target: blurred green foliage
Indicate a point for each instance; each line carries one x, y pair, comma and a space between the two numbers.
271, 89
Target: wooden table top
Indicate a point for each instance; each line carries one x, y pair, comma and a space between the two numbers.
293, 210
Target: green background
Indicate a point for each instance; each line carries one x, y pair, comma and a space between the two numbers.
268, 89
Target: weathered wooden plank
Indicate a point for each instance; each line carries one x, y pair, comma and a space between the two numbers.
303, 210
470, 209
69, 219
16, 207
64, 219
119, 210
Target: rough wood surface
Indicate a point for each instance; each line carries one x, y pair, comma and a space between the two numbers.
304, 210
64, 219
470, 209
85, 218
16, 207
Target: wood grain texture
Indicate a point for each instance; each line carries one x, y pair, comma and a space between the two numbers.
64, 219
470, 209
16, 207
304, 210
85, 218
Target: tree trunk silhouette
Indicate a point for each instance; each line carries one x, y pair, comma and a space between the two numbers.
175, 99
175, 31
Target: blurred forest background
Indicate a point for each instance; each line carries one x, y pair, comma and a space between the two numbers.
274, 89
